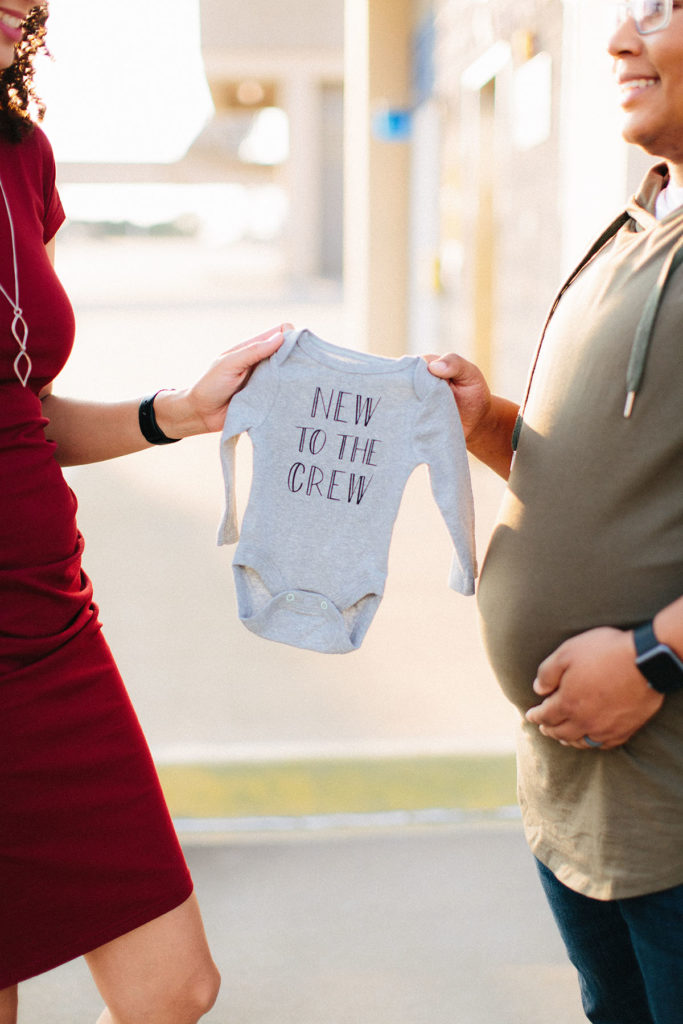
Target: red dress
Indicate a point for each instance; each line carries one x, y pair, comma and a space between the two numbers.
87, 849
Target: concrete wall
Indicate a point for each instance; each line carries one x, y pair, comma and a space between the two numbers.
532, 167
501, 220
377, 171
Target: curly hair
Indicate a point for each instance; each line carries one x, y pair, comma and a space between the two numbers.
20, 107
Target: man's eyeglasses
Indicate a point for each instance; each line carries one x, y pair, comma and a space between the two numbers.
649, 15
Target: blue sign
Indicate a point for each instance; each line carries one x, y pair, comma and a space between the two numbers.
392, 125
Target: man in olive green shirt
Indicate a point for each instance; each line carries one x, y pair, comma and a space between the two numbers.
580, 592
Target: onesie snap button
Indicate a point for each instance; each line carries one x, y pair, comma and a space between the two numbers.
290, 597
323, 605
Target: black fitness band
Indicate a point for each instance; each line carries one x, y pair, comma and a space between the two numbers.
150, 429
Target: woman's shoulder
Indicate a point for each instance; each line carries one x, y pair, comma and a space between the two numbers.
28, 172
30, 160
36, 143
33, 146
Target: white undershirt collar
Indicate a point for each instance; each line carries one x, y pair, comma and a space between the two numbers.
668, 200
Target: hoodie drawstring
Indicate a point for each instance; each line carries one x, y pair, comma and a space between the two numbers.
643, 336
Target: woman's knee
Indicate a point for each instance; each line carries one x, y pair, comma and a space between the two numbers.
194, 997
162, 972
202, 991
184, 1002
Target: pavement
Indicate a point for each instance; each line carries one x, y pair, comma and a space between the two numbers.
436, 924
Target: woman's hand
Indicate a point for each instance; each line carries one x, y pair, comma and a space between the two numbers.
487, 420
87, 431
201, 408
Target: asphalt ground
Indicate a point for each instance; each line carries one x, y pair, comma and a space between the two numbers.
444, 924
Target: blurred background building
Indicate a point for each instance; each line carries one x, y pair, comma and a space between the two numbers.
398, 175
506, 164
449, 189
259, 154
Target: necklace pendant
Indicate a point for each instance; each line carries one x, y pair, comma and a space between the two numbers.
19, 325
20, 332
17, 367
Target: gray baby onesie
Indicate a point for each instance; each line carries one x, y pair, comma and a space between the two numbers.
336, 434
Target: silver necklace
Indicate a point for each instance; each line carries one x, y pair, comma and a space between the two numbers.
19, 325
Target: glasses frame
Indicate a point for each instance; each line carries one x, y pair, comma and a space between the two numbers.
625, 11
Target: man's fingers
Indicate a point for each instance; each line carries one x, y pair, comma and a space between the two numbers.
549, 713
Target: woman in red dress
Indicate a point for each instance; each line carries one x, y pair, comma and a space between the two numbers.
89, 860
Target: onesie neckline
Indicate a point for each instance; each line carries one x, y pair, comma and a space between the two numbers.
349, 360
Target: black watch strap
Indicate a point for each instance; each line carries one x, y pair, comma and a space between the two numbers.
645, 638
661, 666
149, 428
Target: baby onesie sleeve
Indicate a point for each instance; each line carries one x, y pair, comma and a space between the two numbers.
247, 410
439, 441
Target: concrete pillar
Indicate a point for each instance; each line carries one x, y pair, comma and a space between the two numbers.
302, 101
378, 71
425, 231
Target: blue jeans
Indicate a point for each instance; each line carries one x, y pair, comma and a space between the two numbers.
629, 953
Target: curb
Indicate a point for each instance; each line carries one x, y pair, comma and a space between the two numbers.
319, 787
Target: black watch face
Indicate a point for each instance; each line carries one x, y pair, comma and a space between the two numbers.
663, 672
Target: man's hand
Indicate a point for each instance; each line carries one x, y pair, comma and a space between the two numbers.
487, 420
592, 688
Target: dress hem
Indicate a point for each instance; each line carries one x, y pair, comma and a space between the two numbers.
108, 934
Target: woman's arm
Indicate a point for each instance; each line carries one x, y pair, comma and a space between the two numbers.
95, 431
488, 420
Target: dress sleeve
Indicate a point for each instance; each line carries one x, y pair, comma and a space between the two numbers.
440, 442
247, 409
53, 215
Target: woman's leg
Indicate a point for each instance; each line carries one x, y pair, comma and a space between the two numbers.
161, 973
8, 1005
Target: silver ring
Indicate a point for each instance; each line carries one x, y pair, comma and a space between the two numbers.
596, 744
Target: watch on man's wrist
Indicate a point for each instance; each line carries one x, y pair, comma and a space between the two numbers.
661, 666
